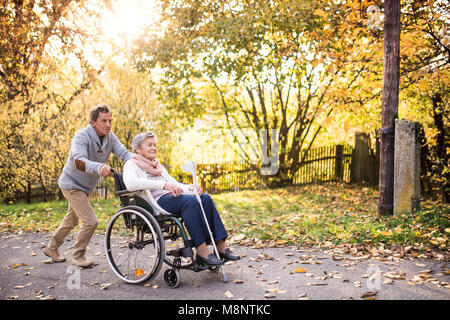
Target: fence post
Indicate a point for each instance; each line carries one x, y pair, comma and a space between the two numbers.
360, 157
338, 164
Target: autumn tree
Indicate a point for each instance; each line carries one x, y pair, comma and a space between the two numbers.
282, 65
426, 80
42, 70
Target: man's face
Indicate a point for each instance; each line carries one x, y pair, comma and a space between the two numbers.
103, 124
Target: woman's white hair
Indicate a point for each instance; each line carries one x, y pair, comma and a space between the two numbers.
139, 138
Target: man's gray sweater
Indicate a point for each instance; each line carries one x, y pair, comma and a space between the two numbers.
87, 155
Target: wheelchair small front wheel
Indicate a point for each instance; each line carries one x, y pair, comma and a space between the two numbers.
172, 278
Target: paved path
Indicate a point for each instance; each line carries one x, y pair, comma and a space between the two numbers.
262, 274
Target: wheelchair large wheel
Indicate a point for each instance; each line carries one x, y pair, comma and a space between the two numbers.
134, 245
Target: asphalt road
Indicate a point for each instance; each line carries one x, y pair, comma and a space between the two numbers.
262, 274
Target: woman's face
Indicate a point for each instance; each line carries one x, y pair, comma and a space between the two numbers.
148, 148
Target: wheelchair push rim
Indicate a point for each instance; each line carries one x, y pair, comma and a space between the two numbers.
134, 245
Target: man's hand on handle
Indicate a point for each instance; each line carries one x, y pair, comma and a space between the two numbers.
105, 171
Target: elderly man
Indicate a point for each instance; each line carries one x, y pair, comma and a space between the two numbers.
89, 153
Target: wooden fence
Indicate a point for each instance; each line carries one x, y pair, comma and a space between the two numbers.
328, 163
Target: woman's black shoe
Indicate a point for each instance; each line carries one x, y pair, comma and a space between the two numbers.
211, 261
228, 256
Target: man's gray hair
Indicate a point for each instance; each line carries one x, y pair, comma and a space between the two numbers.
95, 112
139, 138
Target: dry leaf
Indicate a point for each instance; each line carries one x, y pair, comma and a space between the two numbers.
398, 275
21, 287
238, 281
300, 270
139, 272
49, 261
289, 254
105, 286
269, 295
15, 266
228, 294
369, 294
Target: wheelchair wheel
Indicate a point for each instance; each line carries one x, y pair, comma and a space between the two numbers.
134, 245
171, 278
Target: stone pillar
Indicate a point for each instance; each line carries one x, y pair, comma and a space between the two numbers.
406, 166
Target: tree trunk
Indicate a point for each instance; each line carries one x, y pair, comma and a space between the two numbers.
28, 192
391, 73
441, 149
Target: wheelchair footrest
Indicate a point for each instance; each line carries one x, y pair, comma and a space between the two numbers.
183, 252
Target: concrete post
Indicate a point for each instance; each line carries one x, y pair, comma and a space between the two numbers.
406, 166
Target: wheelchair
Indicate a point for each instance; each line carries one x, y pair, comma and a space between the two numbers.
138, 241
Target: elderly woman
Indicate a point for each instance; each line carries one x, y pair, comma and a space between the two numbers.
144, 172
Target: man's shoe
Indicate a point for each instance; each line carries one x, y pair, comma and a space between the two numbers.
211, 261
228, 256
54, 255
82, 262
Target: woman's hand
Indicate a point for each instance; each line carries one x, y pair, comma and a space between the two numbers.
174, 189
199, 189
